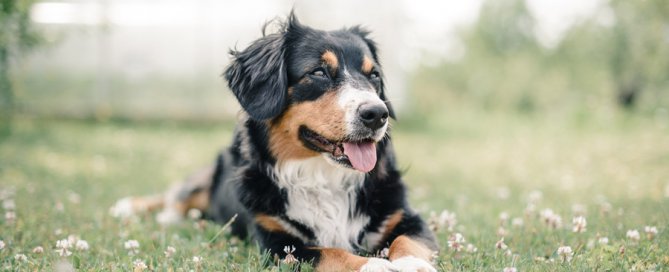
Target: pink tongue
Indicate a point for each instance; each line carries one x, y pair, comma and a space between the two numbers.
361, 155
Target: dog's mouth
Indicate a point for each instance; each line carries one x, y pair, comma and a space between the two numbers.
359, 154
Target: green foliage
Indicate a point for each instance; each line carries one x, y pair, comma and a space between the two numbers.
16, 35
595, 65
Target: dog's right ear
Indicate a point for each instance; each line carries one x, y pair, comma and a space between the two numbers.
258, 77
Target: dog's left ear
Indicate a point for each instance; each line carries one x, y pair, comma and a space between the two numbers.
258, 77
363, 33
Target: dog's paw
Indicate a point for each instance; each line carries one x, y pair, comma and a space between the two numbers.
168, 217
123, 208
413, 264
378, 265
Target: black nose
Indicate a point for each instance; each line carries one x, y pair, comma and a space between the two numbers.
373, 116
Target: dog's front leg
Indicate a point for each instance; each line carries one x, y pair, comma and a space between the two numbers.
335, 259
281, 242
412, 244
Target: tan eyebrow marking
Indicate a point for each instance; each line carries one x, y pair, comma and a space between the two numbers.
330, 59
367, 65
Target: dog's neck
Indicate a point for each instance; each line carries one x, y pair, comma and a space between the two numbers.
316, 173
323, 196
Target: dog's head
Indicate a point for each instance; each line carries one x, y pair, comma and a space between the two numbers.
319, 92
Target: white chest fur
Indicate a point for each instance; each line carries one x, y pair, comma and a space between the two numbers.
322, 196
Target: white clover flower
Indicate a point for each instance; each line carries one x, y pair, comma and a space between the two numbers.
139, 265
517, 222
194, 214
551, 219
503, 218
2, 245
20, 257
500, 244
510, 269
603, 240
38, 250
63, 248
445, 220
132, 246
579, 224
81, 245
72, 239
197, 260
10, 216
633, 235
289, 259
456, 242
170, 251
650, 231
501, 231
471, 248
530, 209
565, 253
289, 249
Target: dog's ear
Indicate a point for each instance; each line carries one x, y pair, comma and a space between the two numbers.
364, 34
258, 77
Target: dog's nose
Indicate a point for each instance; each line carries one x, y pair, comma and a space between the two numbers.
373, 116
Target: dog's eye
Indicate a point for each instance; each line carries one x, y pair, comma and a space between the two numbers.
374, 75
319, 72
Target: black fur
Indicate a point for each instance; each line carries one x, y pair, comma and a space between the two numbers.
260, 77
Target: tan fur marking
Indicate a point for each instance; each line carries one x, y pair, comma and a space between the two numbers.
147, 203
367, 65
268, 223
331, 60
199, 201
324, 116
405, 246
334, 259
391, 223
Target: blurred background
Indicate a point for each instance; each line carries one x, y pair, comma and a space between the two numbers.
149, 59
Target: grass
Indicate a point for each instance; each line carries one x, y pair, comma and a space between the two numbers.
614, 170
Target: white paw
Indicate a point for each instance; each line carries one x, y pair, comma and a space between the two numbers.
413, 264
122, 208
168, 216
378, 265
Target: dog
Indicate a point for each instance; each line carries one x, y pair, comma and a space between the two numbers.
311, 166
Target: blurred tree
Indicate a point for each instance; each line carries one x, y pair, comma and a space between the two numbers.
640, 47
16, 35
500, 65
609, 58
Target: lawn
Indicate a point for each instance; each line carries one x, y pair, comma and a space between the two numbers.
523, 178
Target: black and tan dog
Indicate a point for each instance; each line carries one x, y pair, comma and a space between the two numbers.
311, 164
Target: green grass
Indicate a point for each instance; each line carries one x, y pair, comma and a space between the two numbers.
66, 174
